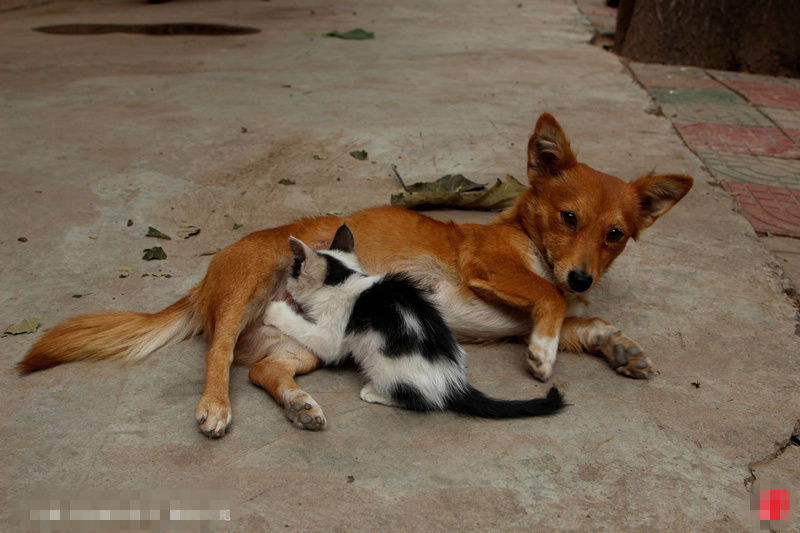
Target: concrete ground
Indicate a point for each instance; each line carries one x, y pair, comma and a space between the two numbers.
99, 130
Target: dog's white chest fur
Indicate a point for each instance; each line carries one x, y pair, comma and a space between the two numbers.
473, 319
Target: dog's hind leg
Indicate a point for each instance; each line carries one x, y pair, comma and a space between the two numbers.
595, 336
214, 409
276, 373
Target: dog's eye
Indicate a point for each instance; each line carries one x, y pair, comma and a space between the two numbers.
570, 219
614, 235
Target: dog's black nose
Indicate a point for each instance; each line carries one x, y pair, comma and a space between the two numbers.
579, 281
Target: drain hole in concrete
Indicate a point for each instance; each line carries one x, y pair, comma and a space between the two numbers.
181, 28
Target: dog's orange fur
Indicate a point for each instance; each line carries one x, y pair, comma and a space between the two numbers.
490, 271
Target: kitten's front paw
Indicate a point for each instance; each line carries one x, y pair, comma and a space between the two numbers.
303, 411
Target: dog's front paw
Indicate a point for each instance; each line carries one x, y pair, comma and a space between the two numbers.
626, 357
542, 353
303, 411
214, 416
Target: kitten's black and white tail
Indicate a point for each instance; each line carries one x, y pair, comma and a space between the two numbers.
471, 401
468, 400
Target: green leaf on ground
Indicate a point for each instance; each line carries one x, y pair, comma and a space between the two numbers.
185, 224
124, 271
359, 154
356, 34
28, 325
334, 212
156, 252
153, 232
188, 233
285, 181
236, 226
458, 192
320, 157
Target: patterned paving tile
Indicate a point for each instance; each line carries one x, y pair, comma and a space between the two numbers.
696, 97
647, 70
769, 209
680, 82
751, 169
715, 114
788, 119
769, 94
753, 140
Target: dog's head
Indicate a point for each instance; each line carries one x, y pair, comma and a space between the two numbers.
580, 219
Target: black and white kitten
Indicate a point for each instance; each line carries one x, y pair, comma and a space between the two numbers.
392, 329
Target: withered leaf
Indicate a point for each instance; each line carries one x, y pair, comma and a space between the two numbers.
28, 325
156, 252
185, 224
188, 233
458, 192
153, 232
357, 34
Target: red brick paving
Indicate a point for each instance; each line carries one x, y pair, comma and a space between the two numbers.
769, 209
754, 140
768, 94
756, 153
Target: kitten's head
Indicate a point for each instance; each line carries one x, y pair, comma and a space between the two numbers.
314, 270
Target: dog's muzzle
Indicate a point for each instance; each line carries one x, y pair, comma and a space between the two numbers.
579, 281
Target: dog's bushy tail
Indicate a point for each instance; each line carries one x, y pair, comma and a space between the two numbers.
112, 335
470, 401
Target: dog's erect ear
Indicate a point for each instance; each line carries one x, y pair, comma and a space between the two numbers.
343, 240
657, 195
548, 150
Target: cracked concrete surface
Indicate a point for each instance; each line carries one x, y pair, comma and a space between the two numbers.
101, 129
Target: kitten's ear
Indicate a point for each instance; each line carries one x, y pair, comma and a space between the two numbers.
299, 249
343, 240
301, 253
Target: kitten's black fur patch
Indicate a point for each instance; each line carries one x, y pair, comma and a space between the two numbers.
337, 271
380, 308
409, 397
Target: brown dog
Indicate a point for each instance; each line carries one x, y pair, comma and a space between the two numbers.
515, 276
